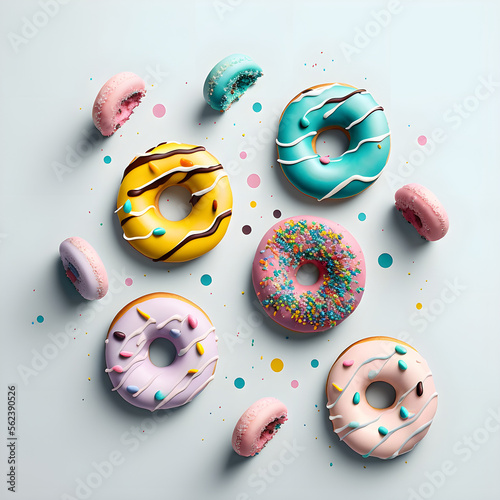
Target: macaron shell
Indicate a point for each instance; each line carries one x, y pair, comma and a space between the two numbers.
431, 219
92, 280
116, 100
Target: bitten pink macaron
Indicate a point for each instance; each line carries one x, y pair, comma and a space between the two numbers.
421, 208
258, 425
116, 101
84, 268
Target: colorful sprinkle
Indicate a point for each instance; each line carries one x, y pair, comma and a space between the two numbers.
403, 412
126, 354
277, 214
422, 140
356, 398
129, 281
192, 321
117, 369
420, 389
192, 371
385, 260
400, 349
335, 386
315, 363
159, 396
153, 168
119, 335
362, 216
257, 107
159, 231
325, 160
383, 431
246, 229
143, 314
200, 348
107, 159
214, 206
348, 362
206, 279
40, 319
127, 207
159, 110
132, 389
253, 180
353, 425
277, 365
243, 155
185, 162
239, 383
402, 365
295, 384
174, 333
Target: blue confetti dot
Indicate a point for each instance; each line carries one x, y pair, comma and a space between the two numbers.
257, 107
385, 260
315, 363
107, 159
239, 383
206, 279
362, 216
40, 319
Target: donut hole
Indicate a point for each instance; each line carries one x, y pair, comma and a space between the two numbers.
174, 204
380, 395
307, 274
332, 142
162, 352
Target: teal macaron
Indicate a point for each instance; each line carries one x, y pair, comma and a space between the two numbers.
229, 80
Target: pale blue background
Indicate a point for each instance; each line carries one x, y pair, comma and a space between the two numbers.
428, 59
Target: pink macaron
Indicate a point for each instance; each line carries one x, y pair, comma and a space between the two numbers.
258, 425
116, 101
84, 268
423, 210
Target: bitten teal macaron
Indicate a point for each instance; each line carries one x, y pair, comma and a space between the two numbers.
229, 80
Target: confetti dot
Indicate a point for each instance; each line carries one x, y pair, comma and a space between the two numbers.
419, 305
253, 180
107, 159
295, 384
243, 155
159, 110
253, 204
362, 216
239, 383
257, 107
40, 319
276, 365
315, 363
206, 279
246, 229
277, 214
385, 260
422, 140
129, 281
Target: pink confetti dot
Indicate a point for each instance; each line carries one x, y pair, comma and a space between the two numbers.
129, 281
253, 180
243, 155
422, 140
159, 110
295, 384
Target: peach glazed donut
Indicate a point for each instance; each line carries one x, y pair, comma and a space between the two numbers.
148, 175
284, 249
381, 432
136, 327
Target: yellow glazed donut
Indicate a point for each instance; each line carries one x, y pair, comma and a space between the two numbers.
148, 175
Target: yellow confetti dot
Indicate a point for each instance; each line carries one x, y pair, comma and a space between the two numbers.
89, 379
253, 204
277, 365
419, 305
242, 293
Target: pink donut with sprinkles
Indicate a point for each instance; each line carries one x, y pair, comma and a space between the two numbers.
141, 322
421, 208
284, 249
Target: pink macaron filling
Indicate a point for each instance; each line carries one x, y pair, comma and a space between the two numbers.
269, 432
126, 108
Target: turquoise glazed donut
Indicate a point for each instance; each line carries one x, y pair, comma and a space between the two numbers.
333, 106
229, 80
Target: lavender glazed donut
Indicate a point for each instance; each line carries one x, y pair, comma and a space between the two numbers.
136, 326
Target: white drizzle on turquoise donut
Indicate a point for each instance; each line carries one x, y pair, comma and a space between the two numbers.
341, 106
